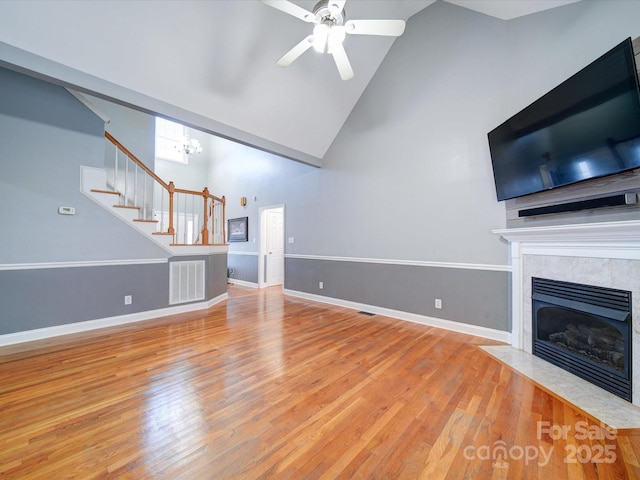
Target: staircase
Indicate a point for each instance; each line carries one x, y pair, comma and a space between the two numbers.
180, 221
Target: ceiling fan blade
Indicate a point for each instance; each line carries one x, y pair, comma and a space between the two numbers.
336, 6
342, 61
291, 8
335, 36
391, 28
288, 58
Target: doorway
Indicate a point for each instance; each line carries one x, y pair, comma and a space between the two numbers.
271, 258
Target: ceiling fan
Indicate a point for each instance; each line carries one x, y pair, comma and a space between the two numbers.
330, 30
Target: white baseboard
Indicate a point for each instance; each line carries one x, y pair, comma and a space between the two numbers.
242, 283
48, 332
478, 331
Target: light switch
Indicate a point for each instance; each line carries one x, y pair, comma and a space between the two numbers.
66, 210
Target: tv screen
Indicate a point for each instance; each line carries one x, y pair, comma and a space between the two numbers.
587, 127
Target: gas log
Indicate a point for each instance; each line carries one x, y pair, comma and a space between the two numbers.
605, 344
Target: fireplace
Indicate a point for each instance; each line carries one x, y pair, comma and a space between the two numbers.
585, 330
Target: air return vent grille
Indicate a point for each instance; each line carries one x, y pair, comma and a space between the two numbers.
186, 281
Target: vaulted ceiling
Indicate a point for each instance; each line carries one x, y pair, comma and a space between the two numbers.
212, 63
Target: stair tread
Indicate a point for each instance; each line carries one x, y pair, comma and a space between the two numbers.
111, 192
127, 206
197, 244
162, 233
143, 220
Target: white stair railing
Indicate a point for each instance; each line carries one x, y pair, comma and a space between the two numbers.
191, 217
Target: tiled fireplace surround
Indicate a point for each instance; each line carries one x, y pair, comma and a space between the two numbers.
604, 254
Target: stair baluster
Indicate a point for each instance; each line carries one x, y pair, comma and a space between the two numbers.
179, 211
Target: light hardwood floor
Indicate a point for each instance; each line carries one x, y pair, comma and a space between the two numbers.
269, 386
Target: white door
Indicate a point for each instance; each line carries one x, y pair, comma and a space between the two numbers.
271, 254
274, 219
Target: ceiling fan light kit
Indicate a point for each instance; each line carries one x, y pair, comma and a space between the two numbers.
330, 30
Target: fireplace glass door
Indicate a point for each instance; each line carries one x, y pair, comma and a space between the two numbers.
585, 330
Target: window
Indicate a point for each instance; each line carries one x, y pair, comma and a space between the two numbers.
169, 141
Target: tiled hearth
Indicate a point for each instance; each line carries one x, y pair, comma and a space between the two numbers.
602, 254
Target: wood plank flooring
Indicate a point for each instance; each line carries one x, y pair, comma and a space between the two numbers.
269, 386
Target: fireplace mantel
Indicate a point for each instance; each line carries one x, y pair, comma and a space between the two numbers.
621, 234
605, 254
611, 240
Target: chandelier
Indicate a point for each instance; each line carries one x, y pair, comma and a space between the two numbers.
189, 146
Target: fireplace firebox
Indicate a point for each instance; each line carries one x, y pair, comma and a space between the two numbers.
585, 330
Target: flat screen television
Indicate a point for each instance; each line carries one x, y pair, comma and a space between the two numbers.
586, 127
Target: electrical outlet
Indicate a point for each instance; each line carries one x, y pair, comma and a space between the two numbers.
438, 303
320, 285
128, 300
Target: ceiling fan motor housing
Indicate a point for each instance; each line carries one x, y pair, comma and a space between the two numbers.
330, 30
324, 14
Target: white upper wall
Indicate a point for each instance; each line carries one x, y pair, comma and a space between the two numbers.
215, 60
211, 64
409, 175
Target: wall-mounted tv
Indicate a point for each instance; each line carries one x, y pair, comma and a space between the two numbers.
586, 127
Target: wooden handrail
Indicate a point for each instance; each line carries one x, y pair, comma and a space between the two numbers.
195, 192
136, 160
171, 189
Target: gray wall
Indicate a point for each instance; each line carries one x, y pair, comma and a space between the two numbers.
134, 129
547, 48
216, 275
409, 176
50, 297
468, 296
47, 297
46, 134
245, 267
265, 179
